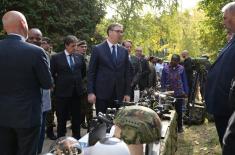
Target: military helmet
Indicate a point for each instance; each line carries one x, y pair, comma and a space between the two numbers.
66, 146
138, 125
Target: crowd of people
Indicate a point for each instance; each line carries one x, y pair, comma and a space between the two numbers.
38, 83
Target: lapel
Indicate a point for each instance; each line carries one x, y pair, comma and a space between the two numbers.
119, 54
107, 52
224, 51
76, 60
64, 60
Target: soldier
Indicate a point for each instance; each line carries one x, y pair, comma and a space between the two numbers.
47, 46
87, 107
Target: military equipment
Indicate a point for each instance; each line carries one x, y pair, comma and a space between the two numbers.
110, 146
197, 114
138, 125
97, 133
66, 146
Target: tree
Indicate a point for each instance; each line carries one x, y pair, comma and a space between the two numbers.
212, 31
171, 31
57, 18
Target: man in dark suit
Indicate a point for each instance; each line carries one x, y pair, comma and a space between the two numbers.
188, 65
24, 71
220, 76
109, 71
135, 67
68, 70
144, 70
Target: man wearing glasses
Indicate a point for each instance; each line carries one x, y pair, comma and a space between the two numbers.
108, 75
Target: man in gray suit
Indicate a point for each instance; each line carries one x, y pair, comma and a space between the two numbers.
24, 71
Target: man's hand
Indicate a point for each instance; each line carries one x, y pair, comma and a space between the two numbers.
126, 98
91, 98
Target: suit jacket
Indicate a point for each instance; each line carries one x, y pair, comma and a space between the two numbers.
188, 65
229, 140
219, 81
152, 76
144, 75
135, 66
24, 70
66, 80
106, 78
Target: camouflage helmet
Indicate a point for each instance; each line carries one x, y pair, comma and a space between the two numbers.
138, 125
66, 146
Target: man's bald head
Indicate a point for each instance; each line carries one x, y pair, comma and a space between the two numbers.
185, 54
15, 22
35, 36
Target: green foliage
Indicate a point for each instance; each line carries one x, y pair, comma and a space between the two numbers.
170, 30
212, 31
58, 18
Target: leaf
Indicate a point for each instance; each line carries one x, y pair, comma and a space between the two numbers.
196, 142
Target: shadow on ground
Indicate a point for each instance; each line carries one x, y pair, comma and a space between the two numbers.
199, 140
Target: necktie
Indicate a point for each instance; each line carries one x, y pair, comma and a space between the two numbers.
114, 55
71, 63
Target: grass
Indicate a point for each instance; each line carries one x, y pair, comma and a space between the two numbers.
199, 140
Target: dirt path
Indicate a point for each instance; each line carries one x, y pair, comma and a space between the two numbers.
199, 140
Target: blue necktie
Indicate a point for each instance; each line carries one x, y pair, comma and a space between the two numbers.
71, 63
114, 55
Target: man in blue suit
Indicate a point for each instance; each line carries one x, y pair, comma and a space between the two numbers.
24, 71
219, 78
109, 71
68, 70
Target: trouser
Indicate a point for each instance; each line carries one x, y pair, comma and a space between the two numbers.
86, 109
42, 132
229, 137
64, 107
221, 123
179, 110
19, 141
102, 105
50, 114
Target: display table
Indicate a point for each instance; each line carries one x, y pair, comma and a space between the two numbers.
166, 146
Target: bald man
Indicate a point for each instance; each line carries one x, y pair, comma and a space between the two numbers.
35, 36
25, 71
